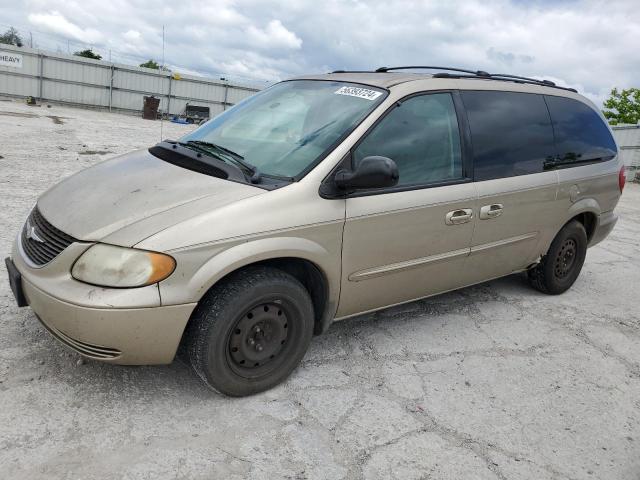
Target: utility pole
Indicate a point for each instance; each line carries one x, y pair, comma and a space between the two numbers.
163, 48
31, 39
169, 94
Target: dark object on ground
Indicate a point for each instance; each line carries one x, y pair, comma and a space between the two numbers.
196, 114
19, 114
57, 120
150, 108
193, 114
31, 101
95, 152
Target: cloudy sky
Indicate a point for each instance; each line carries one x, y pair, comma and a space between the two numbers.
590, 45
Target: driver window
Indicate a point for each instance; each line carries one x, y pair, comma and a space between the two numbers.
421, 135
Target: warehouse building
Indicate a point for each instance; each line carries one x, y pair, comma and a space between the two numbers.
84, 82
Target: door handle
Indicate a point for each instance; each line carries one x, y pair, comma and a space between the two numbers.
456, 217
491, 211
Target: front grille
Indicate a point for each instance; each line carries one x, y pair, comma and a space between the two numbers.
41, 241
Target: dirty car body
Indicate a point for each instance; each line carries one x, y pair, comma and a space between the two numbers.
360, 190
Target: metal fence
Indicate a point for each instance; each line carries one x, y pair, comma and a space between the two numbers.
628, 140
79, 81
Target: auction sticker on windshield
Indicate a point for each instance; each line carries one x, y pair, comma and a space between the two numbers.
358, 92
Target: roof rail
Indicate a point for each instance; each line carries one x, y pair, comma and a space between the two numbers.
479, 73
470, 74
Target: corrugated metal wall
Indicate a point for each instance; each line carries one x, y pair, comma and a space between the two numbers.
628, 140
82, 81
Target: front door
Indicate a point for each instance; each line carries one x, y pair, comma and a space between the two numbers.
411, 240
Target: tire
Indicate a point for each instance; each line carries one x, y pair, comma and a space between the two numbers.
250, 332
560, 267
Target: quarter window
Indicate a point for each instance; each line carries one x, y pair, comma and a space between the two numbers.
511, 133
581, 135
421, 135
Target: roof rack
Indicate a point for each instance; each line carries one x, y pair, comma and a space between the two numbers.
480, 74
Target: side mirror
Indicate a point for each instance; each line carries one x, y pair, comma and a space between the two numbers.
371, 172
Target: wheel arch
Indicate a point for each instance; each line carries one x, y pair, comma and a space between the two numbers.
586, 211
314, 266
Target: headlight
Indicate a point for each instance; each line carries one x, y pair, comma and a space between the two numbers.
111, 266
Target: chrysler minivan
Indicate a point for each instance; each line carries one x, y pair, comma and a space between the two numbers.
317, 199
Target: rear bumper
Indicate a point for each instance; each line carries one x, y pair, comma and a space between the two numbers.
128, 336
606, 222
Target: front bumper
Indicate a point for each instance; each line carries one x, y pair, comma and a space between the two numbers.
123, 326
129, 336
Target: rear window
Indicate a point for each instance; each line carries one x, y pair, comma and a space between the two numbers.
581, 135
511, 133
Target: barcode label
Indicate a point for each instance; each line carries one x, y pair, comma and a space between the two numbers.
365, 93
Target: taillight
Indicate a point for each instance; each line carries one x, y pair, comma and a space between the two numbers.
622, 178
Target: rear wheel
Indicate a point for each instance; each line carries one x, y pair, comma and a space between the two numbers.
560, 267
251, 331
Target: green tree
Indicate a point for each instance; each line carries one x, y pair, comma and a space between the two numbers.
623, 106
88, 53
151, 64
11, 37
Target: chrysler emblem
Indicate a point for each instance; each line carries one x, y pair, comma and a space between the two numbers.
31, 233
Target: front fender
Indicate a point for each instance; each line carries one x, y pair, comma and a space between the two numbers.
201, 268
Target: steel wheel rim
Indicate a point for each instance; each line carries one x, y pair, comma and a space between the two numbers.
258, 339
566, 258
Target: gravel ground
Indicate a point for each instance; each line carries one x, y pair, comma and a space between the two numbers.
495, 381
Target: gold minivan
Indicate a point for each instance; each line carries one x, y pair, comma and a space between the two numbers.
317, 199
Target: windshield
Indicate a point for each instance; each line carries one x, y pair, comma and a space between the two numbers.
286, 129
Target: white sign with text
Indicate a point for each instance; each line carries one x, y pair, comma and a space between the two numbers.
10, 59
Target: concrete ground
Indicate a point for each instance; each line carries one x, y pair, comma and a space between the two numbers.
496, 381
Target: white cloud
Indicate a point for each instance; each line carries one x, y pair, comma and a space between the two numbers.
131, 35
587, 43
57, 23
274, 36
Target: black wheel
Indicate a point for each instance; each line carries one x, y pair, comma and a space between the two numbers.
560, 267
250, 332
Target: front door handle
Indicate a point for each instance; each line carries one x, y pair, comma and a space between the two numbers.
491, 211
456, 217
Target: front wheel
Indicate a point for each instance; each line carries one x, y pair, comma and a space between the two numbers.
560, 267
250, 332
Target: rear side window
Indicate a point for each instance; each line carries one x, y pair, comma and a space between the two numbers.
581, 135
421, 135
511, 133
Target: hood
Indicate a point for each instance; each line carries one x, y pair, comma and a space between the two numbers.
108, 197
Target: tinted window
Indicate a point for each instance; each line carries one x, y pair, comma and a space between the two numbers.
511, 133
421, 135
580, 133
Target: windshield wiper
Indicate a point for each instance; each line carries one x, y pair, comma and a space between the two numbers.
224, 153
314, 134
